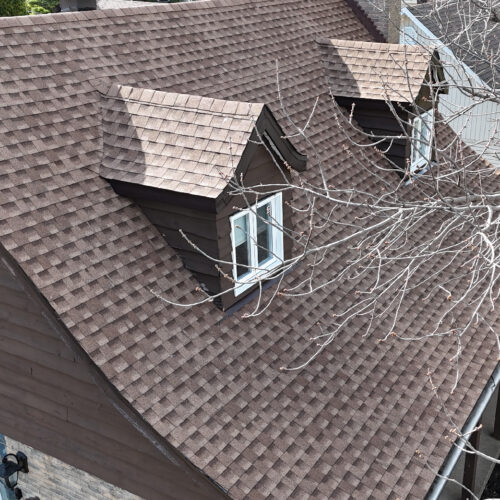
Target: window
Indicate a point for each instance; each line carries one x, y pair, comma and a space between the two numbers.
421, 141
257, 241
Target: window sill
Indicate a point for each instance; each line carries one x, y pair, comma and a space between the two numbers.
251, 279
417, 172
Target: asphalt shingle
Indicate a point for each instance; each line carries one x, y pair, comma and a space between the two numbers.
468, 30
179, 142
345, 426
370, 70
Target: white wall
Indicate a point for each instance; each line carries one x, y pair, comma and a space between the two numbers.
476, 121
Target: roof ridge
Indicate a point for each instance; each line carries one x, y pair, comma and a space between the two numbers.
190, 108
186, 107
372, 46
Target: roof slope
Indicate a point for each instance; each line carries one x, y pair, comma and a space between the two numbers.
184, 143
370, 70
350, 422
468, 31
377, 13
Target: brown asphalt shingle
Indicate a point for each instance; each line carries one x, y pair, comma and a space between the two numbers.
184, 143
348, 425
370, 70
376, 10
468, 30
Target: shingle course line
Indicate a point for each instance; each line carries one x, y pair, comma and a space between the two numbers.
160, 357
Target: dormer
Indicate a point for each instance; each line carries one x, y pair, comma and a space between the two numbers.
387, 85
179, 156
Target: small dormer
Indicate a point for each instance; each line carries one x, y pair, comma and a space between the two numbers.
179, 156
389, 88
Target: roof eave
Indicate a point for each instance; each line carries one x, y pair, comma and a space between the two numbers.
267, 125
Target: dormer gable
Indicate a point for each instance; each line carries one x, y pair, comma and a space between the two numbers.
386, 85
178, 157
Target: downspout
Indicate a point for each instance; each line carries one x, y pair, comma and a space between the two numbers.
471, 422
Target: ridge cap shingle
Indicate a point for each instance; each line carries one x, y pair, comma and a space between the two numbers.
205, 104
376, 46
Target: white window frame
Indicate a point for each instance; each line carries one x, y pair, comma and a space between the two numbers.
256, 272
419, 134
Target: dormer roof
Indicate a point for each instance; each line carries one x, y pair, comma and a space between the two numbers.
178, 142
370, 70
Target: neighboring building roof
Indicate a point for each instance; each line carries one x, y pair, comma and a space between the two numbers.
348, 424
469, 31
370, 70
179, 142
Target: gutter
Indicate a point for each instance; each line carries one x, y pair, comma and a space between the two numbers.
471, 422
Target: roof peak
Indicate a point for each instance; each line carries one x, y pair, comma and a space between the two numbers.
181, 142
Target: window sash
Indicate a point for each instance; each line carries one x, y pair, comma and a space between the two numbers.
257, 270
421, 141
241, 244
264, 232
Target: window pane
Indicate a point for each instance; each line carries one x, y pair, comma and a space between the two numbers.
427, 134
423, 146
415, 143
241, 245
263, 233
421, 138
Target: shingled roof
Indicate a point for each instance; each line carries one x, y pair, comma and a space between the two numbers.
370, 70
468, 30
346, 426
179, 142
376, 11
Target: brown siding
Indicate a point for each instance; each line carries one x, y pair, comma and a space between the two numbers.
261, 171
53, 402
199, 226
375, 117
424, 99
